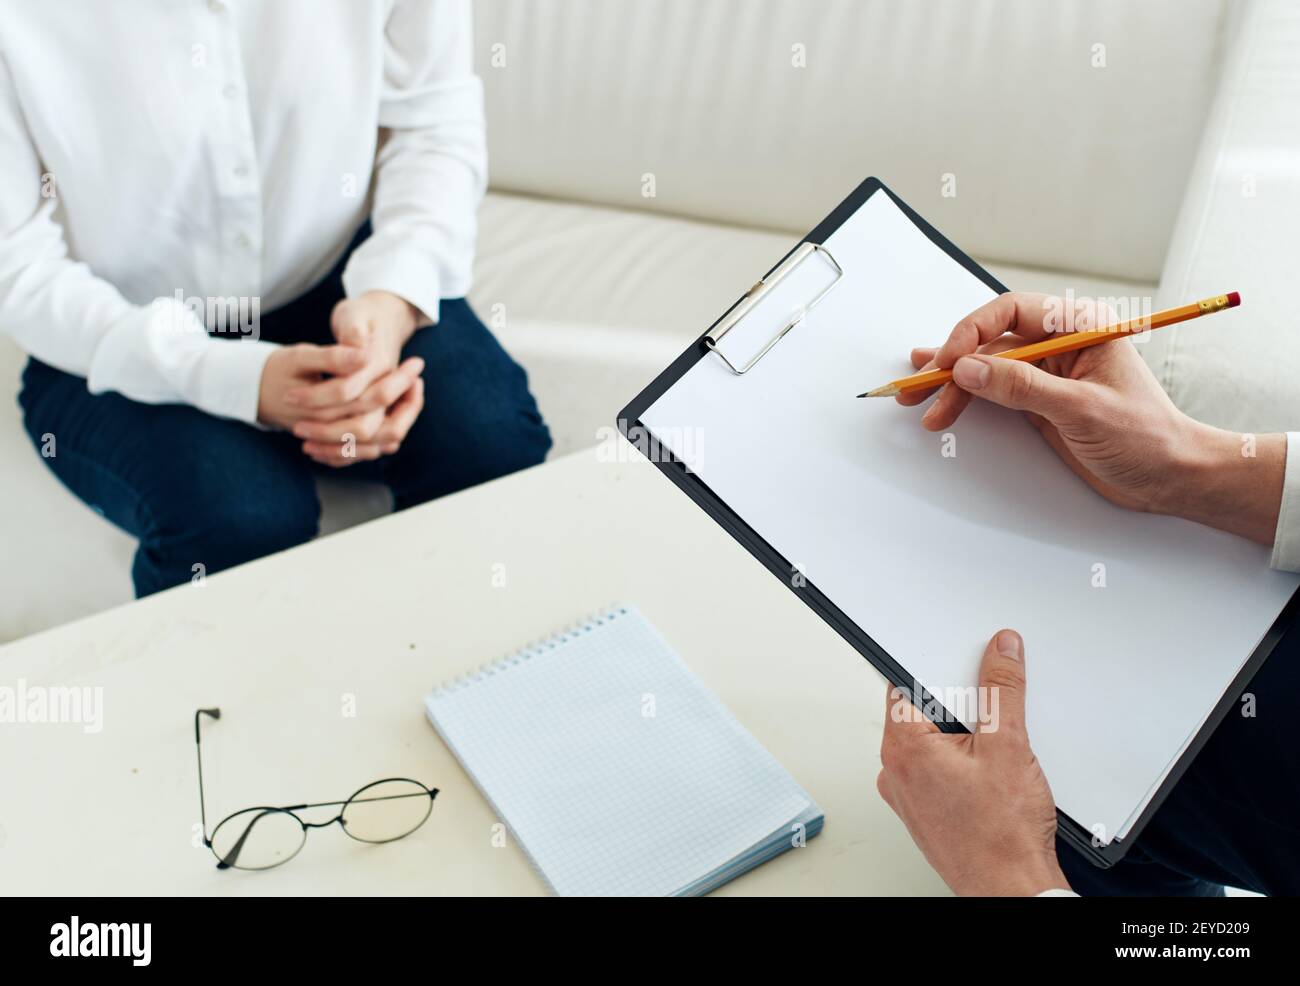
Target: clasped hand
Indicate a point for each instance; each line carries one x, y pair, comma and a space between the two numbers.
355, 400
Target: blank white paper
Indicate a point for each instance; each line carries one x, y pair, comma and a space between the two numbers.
930, 555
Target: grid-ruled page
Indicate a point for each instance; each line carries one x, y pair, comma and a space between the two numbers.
613, 766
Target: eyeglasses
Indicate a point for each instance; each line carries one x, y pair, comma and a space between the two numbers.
263, 837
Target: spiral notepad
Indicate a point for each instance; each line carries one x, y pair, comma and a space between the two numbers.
615, 769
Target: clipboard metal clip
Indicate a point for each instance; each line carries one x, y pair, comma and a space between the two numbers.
755, 294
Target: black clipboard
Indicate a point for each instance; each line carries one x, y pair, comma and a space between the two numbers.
630, 425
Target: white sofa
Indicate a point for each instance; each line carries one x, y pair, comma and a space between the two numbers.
649, 159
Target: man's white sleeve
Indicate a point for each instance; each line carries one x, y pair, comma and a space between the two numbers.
1286, 542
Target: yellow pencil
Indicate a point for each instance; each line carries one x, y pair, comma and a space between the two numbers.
1067, 342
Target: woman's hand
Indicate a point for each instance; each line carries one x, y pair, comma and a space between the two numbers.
372, 433
363, 403
377, 324
291, 367
1105, 414
977, 805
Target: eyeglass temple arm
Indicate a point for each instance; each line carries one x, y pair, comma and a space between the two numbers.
198, 750
428, 792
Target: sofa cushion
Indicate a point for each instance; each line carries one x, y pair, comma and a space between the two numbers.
1077, 117
1236, 232
60, 560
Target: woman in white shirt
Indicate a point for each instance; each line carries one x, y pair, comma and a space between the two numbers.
235, 239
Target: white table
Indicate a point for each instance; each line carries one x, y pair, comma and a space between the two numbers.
372, 618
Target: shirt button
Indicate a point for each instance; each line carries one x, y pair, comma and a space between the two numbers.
241, 171
243, 241
216, 6
230, 92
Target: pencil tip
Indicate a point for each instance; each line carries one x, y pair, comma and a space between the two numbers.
888, 390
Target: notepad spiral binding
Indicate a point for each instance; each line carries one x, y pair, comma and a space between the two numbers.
530, 651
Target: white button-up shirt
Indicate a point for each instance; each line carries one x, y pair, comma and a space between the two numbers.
163, 162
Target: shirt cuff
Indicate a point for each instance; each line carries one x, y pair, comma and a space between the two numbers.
1057, 892
161, 354
229, 378
410, 277
1286, 542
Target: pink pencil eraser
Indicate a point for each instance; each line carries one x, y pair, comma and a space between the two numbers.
1234, 299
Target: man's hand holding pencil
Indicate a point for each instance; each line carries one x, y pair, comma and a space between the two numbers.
1103, 412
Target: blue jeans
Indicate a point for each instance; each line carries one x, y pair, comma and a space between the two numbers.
1234, 817
200, 490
